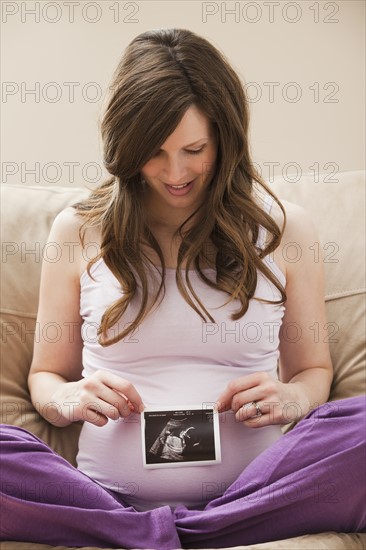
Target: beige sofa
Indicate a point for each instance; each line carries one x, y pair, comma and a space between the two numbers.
337, 209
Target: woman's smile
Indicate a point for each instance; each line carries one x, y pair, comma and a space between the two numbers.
180, 190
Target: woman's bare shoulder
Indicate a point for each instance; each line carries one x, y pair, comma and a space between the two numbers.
67, 230
69, 224
294, 213
299, 224
298, 238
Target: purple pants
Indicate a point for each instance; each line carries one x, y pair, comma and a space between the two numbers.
311, 480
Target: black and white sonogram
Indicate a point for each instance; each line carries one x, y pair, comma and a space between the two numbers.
184, 436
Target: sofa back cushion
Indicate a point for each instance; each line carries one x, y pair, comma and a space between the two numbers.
337, 207
27, 213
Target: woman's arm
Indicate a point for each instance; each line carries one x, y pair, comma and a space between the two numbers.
305, 359
58, 391
305, 365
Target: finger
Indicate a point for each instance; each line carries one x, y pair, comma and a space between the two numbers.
94, 417
107, 410
222, 405
116, 402
125, 388
248, 411
224, 401
109, 402
258, 422
250, 418
126, 407
246, 398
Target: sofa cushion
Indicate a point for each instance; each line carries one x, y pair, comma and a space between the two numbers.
324, 541
338, 211
27, 214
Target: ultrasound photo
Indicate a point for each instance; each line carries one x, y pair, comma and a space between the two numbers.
188, 436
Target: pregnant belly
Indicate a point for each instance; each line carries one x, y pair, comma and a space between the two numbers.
112, 455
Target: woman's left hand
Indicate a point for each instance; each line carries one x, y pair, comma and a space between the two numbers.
259, 400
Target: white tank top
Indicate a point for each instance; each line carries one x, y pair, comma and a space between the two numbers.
175, 357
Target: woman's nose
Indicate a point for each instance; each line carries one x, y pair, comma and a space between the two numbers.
174, 171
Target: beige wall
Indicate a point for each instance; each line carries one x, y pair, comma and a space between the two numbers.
303, 63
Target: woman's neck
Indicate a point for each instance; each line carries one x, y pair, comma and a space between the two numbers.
162, 218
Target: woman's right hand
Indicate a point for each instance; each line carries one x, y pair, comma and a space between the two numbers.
96, 399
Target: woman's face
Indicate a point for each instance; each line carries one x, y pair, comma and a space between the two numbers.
179, 174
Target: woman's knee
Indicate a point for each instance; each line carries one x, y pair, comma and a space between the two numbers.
15, 440
15, 433
351, 407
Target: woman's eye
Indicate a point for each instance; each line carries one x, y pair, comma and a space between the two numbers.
195, 151
189, 151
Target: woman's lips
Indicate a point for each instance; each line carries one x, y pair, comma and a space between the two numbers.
179, 191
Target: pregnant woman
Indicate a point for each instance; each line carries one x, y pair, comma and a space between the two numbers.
188, 298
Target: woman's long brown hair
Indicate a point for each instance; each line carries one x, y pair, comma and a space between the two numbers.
161, 74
